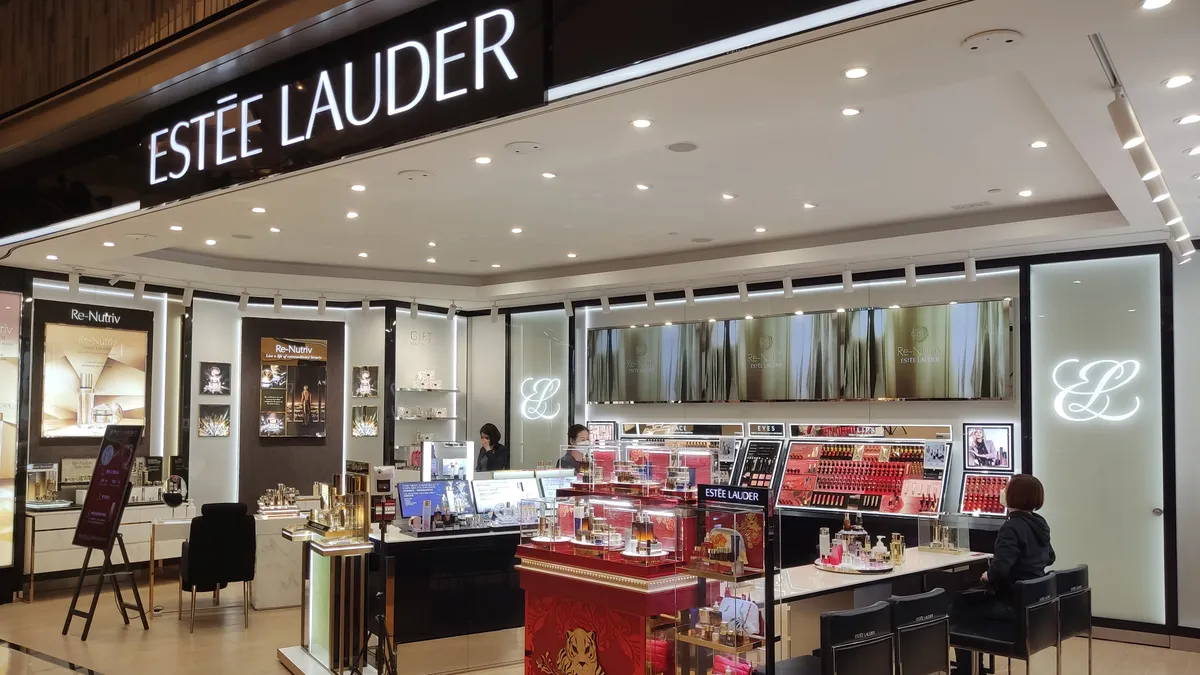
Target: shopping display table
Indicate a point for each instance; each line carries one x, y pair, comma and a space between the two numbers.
806, 581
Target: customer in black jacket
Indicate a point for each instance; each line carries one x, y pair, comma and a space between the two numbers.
1022, 553
493, 456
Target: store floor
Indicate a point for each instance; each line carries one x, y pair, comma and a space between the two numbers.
221, 645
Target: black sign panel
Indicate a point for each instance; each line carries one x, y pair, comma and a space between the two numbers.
765, 430
757, 465
446, 65
759, 498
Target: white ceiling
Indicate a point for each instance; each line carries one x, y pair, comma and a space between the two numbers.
940, 127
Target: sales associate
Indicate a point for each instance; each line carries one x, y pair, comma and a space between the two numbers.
578, 439
493, 456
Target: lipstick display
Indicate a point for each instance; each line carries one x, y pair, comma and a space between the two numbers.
860, 475
981, 494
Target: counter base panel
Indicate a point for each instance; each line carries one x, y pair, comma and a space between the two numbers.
299, 662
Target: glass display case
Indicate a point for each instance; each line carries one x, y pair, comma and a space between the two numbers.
41, 488
447, 460
605, 531
722, 440
944, 534
896, 476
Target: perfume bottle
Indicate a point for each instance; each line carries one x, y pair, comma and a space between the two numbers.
87, 400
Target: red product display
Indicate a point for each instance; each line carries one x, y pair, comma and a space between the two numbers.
981, 494
860, 476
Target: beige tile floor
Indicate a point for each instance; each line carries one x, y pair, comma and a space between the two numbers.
221, 645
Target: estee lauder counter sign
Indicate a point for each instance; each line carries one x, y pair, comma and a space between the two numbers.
417, 74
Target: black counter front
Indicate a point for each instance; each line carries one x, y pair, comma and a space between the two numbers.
454, 585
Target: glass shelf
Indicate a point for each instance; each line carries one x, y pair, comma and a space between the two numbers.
418, 390
424, 419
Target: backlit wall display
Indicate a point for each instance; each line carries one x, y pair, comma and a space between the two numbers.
10, 369
957, 351
93, 375
292, 395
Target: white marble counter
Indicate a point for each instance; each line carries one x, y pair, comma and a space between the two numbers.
797, 583
395, 536
277, 567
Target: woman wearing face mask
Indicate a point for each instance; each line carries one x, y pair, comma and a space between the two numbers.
493, 456
1022, 553
578, 439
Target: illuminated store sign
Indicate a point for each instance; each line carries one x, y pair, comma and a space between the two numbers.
1084, 388
537, 398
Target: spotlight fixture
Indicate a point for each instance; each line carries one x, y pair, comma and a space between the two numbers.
847, 281
483, 160
642, 124
568, 308
243, 301
116, 279
358, 188
413, 308
450, 311
366, 305
1179, 232
969, 267
73, 282
1170, 212
743, 292
321, 299
855, 73
649, 299
1177, 81
605, 308
1186, 248
187, 296
139, 289
495, 315
1128, 129
910, 275
689, 296
1144, 161
1038, 145
851, 112
278, 303
1157, 187
788, 291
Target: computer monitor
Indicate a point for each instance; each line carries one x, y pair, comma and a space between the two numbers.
492, 493
552, 484
452, 495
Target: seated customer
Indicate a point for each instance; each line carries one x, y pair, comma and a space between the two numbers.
578, 439
1022, 553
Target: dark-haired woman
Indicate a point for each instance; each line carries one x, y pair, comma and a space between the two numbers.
1022, 553
578, 439
493, 456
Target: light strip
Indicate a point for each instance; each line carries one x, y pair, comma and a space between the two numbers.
71, 223
725, 46
236, 413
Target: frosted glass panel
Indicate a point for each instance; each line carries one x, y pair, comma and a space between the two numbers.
539, 359
1097, 426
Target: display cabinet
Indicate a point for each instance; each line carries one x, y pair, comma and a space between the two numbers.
883, 475
447, 460
981, 495
945, 534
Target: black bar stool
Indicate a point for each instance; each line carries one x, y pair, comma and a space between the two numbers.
857, 641
1074, 608
922, 625
1035, 628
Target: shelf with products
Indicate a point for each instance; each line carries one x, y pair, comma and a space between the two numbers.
981, 495
424, 390
722, 439
425, 419
889, 476
635, 468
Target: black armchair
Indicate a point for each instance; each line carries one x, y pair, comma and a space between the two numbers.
219, 551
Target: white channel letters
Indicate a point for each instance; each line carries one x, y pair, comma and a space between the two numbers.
1085, 396
537, 398
189, 140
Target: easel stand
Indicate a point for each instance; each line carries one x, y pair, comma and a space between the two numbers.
107, 573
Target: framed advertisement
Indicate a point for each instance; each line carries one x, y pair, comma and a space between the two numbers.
101, 514
364, 382
364, 421
215, 378
214, 421
988, 447
292, 396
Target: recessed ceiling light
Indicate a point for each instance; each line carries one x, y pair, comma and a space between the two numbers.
258, 209
728, 196
352, 214
1025, 193
643, 186
363, 254
856, 73
1077, 282
894, 307
954, 302
633, 326
645, 325
275, 230
549, 175
495, 265
432, 244
1188, 119
1038, 145
51, 257
841, 310
516, 230
1132, 310
483, 160
712, 320
431, 260
760, 230
1178, 81
809, 205
1193, 151
177, 228
1154, 4
749, 317
358, 188
642, 124
851, 112
668, 324
572, 255
799, 312
109, 244
210, 242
